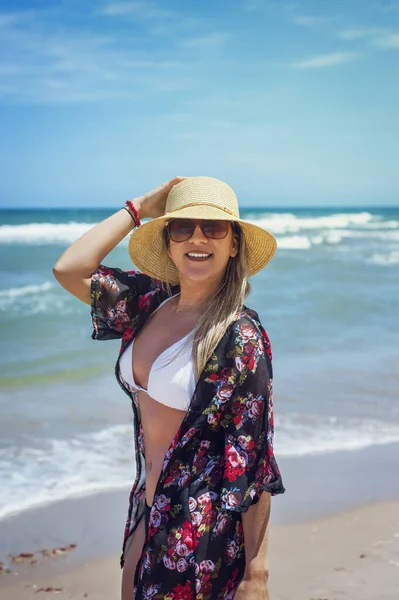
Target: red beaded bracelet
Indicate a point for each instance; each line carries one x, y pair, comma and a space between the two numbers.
131, 206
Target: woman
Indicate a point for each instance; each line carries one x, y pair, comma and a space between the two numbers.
196, 363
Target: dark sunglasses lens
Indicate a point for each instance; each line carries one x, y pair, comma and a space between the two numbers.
180, 230
215, 229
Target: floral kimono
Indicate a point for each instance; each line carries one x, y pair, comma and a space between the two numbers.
219, 461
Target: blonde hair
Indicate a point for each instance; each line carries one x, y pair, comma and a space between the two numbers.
228, 300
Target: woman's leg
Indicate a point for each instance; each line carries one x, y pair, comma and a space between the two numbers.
133, 550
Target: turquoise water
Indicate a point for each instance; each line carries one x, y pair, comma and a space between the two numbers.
328, 299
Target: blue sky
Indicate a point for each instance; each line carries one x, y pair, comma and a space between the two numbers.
292, 103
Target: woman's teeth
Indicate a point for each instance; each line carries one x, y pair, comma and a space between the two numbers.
198, 255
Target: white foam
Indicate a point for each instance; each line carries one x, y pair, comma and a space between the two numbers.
385, 236
55, 469
391, 258
300, 435
43, 233
327, 237
280, 223
294, 242
46, 297
33, 476
26, 290
277, 223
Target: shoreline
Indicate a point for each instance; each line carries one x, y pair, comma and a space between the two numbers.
351, 555
317, 486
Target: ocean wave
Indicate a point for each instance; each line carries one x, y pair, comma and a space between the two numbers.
294, 242
57, 469
301, 435
43, 233
388, 259
27, 290
279, 224
35, 299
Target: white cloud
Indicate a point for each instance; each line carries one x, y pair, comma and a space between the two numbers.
53, 61
308, 21
360, 33
144, 10
15, 17
325, 60
384, 39
211, 40
250, 6
387, 42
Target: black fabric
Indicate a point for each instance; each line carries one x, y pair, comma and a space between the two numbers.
219, 462
147, 510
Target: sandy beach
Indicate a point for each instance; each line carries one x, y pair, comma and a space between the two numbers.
334, 536
352, 555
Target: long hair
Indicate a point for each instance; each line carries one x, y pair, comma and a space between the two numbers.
228, 300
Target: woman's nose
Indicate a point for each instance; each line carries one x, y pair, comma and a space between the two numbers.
198, 236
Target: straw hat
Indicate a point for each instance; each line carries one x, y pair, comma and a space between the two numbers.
196, 198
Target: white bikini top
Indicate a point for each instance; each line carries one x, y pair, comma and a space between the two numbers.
171, 380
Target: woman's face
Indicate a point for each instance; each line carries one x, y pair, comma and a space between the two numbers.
212, 254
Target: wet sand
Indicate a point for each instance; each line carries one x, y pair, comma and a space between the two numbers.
334, 535
352, 555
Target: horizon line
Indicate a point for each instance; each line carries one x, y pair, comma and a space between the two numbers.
270, 207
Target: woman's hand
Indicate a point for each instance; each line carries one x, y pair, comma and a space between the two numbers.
152, 204
252, 590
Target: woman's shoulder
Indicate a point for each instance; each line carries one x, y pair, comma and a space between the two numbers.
132, 279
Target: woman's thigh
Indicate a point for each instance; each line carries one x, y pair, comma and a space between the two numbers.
133, 551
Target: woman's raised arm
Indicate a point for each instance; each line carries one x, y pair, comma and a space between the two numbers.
74, 268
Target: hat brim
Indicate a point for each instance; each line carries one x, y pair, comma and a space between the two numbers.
147, 249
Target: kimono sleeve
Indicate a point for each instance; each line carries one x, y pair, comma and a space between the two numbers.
250, 466
117, 297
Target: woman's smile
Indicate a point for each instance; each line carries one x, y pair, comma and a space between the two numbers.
198, 256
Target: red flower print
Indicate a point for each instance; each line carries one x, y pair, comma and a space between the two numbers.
231, 549
169, 562
222, 524
246, 442
192, 504
214, 418
145, 301
231, 584
182, 592
231, 473
231, 499
225, 373
128, 335
103, 271
267, 344
254, 407
182, 565
248, 349
225, 391
247, 332
207, 566
163, 503
236, 458
237, 407
252, 364
240, 363
196, 518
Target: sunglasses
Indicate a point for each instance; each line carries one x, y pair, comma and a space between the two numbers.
181, 230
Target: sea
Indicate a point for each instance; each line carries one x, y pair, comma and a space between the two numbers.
329, 301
